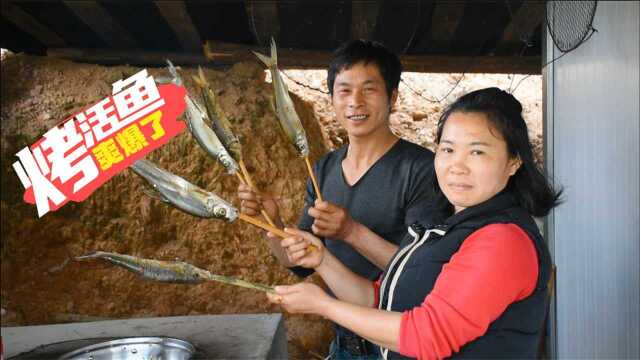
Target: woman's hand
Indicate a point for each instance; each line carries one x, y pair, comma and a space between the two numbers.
299, 251
302, 298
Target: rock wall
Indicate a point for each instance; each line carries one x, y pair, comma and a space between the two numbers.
421, 100
39, 285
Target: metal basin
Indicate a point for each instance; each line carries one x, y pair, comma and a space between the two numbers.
135, 348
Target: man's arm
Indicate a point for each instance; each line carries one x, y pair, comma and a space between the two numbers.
333, 221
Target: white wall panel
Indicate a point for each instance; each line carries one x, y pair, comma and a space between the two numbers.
593, 137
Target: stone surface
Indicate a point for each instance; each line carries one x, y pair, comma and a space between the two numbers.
259, 336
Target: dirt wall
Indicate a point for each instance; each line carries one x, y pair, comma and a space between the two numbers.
37, 93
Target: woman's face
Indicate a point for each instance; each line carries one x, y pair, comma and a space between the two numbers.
472, 163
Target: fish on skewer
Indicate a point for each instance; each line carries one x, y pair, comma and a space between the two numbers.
222, 128
192, 199
195, 117
182, 194
169, 271
286, 112
207, 138
219, 121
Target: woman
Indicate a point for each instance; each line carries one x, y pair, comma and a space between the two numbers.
474, 286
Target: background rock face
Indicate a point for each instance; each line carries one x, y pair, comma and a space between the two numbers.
38, 288
421, 100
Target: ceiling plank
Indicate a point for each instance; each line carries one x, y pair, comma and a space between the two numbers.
30, 25
398, 24
364, 15
444, 22
102, 23
524, 22
176, 15
479, 28
313, 24
263, 20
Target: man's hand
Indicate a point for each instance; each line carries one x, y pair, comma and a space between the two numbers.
332, 221
298, 250
251, 203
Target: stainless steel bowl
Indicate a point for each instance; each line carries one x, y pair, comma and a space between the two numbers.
135, 348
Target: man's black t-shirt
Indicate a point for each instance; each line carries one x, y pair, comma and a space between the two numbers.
390, 196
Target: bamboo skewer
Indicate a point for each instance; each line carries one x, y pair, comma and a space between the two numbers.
253, 187
313, 178
241, 283
272, 229
240, 178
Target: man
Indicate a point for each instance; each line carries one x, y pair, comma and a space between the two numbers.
373, 188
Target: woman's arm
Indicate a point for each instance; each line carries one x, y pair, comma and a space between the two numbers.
377, 326
496, 266
343, 282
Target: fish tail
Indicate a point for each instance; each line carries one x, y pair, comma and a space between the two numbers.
200, 79
265, 59
272, 61
274, 52
92, 255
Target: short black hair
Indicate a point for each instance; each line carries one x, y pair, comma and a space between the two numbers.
528, 185
366, 51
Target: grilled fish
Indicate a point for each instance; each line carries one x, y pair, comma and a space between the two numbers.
169, 271
219, 121
183, 194
285, 110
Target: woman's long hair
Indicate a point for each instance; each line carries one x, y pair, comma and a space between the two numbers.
528, 185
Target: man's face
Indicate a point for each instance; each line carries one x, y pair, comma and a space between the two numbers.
360, 100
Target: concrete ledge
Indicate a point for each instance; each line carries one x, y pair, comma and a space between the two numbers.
255, 336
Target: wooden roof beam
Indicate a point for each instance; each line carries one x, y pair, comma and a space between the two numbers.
264, 20
524, 22
30, 25
102, 23
228, 54
121, 57
225, 53
176, 15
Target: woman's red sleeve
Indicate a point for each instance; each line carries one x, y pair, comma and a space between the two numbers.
496, 266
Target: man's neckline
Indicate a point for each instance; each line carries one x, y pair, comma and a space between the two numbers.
368, 170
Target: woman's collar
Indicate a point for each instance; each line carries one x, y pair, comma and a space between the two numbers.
500, 201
